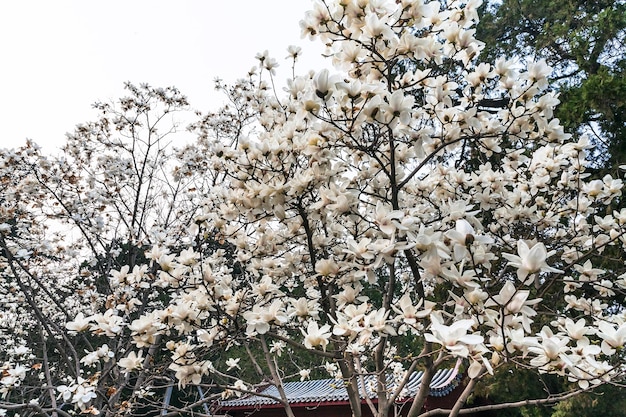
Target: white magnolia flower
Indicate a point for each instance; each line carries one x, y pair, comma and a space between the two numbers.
577, 330
530, 260
552, 348
305, 374
400, 107
131, 362
588, 272
323, 84
239, 386
326, 267
613, 336
316, 336
294, 52
277, 347
454, 337
408, 311
21, 350
232, 363
464, 235
386, 219
79, 324
538, 71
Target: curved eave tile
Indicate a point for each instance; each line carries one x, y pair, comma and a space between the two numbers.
330, 390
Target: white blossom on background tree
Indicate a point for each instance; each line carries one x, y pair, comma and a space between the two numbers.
410, 208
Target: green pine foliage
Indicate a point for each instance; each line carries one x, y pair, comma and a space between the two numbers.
607, 401
584, 43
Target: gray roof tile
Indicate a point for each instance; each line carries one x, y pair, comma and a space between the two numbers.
332, 390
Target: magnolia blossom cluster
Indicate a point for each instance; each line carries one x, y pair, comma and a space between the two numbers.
79, 392
12, 377
385, 217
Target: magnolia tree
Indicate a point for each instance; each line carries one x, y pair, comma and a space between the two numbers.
66, 222
406, 210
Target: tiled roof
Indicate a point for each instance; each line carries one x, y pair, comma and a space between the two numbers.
333, 390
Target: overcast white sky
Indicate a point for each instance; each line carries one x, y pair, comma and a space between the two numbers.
58, 57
